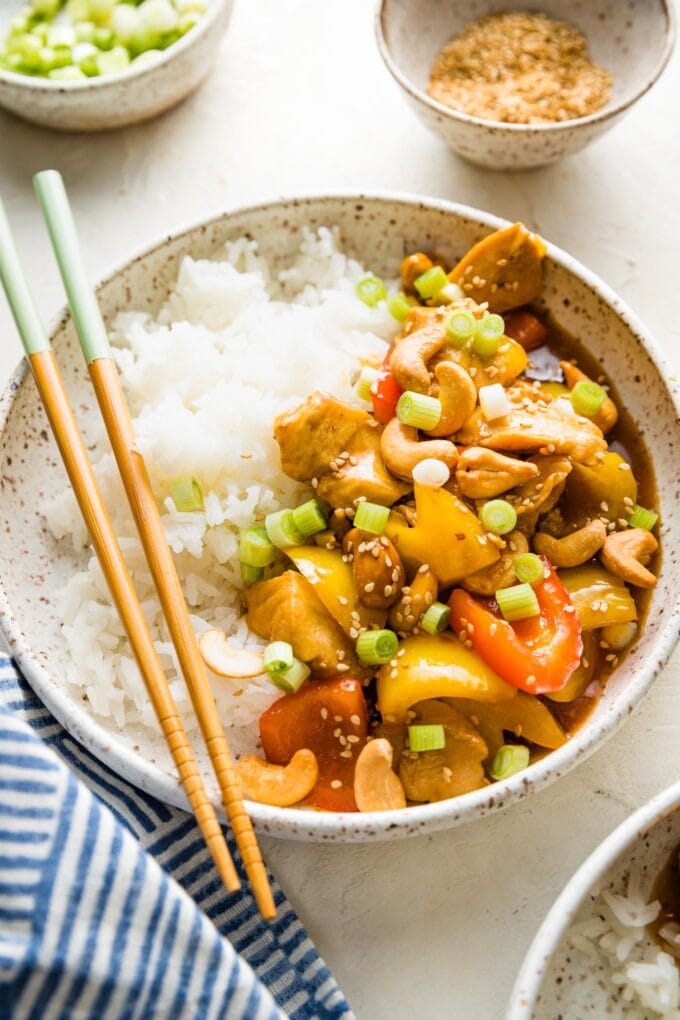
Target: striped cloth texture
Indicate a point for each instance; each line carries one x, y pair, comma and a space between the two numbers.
110, 906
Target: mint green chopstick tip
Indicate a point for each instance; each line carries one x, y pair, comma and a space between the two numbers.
49, 186
19, 296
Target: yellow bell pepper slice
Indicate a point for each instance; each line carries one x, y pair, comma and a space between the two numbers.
591, 587
583, 674
333, 582
590, 489
554, 389
447, 535
525, 716
436, 667
503, 367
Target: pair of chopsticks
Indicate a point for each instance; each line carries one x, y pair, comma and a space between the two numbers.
109, 392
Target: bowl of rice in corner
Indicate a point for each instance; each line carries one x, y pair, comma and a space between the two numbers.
217, 330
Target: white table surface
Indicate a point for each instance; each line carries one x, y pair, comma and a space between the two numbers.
436, 926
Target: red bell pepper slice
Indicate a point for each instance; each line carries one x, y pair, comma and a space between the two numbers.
536, 655
385, 393
311, 718
525, 328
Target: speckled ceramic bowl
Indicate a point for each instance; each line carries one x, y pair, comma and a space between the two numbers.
114, 100
379, 230
559, 981
632, 39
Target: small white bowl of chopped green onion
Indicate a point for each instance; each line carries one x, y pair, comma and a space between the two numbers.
91, 65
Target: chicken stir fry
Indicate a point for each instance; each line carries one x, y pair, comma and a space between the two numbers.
470, 565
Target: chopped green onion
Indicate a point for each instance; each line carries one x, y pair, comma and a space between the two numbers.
309, 518
371, 517
186, 495
376, 647
431, 281
460, 327
431, 473
290, 680
488, 335
642, 518
426, 737
362, 387
281, 530
493, 401
508, 760
518, 602
529, 569
435, 618
419, 410
116, 59
587, 397
371, 290
498, 516
278, 656
250, 575
255, 548
398, 305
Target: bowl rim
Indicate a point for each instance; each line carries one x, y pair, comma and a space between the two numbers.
166, 56
564, 910
601, 115
345, 826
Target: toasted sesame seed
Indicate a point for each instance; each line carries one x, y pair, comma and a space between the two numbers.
324, 713
355, 720
369, 586
353, 738
337, 718
342, 667
336, 784
342, 600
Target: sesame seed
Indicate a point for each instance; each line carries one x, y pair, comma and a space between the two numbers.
337, 732
369, 586
353, 738
355, 720
531, 679
337, 718
324, 713
347, 753
493, 628
342, 600
336, 784
342, 667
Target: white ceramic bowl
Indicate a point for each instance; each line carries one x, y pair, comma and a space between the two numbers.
632, 40
557, 980
378, 229
114, 100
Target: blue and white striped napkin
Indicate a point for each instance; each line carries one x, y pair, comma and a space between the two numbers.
91, 924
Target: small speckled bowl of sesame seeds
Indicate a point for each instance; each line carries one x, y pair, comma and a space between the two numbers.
507, 88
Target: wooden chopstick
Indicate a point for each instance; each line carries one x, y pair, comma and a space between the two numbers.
88, 494
112, 403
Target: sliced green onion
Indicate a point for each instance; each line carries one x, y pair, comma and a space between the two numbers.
529, 569
116, 59
376, 647
362, 387
371, 517
498, 516
508, 760
371, 290
419, 410
642, 518
518, 602
431, 281
587, 397
488, 335
309, 518
398, 305
255, 548
281, 530
435, 619
251, 575
290, 680
426, 738
186, 495
460, 327
66, 73
278, 656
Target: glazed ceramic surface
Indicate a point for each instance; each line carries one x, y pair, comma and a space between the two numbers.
379, 230
559, 981
631, 38
115, 100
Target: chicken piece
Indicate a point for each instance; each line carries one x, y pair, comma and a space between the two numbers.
505, 269
555, 428
287, 608
456, 769
339, 445
500, 574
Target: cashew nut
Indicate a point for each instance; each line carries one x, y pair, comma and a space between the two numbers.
412, 267
415, 598
278, 785
377, 568
458, 396
574, 549
626, 553
502, 573
408, 363
376, 786
607, 416
227, 661
401, 449
483, 474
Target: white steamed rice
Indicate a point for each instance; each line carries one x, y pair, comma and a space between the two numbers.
233, 346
